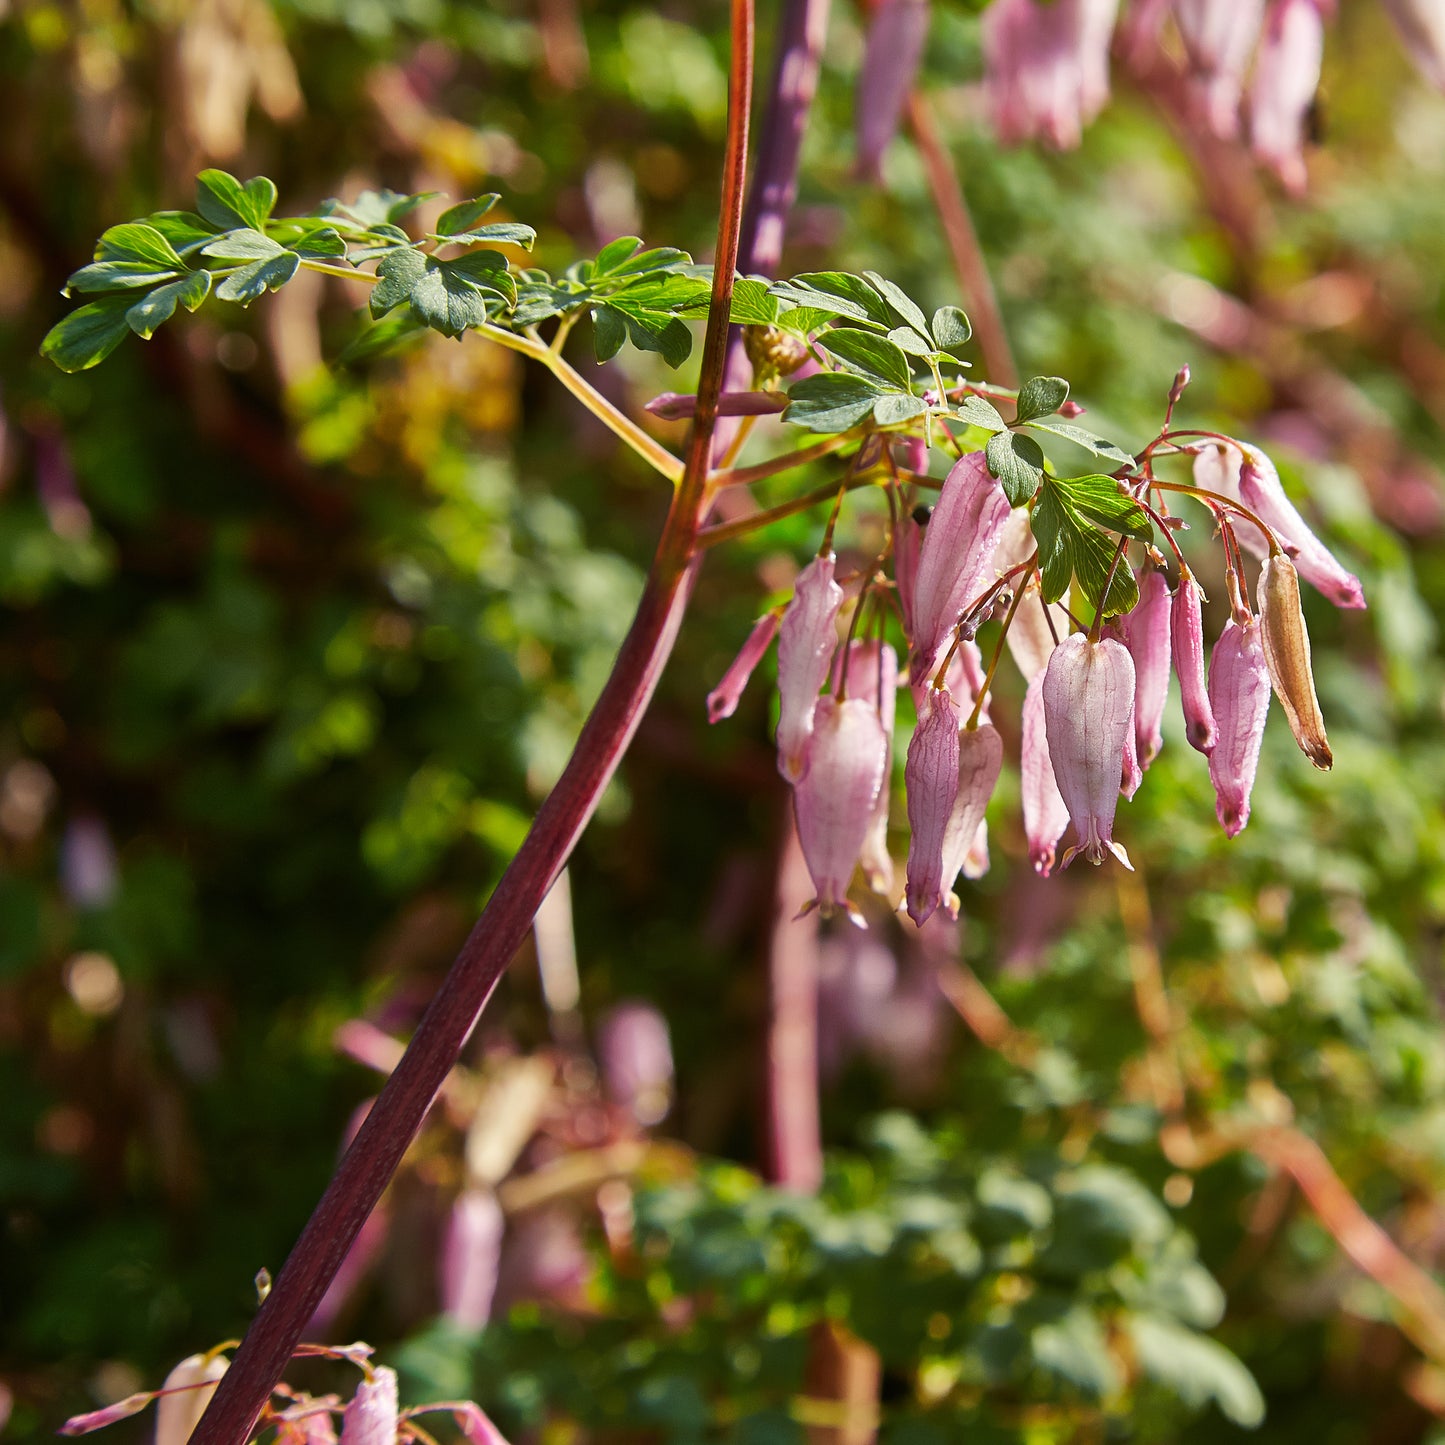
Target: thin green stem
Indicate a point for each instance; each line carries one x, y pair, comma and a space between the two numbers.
998, 651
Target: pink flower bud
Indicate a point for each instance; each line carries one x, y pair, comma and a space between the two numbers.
371, 1414
1089, 712
912, 454
931, 779
834, 799
471, 1251
634, 1048
475, 1425
676, 406
873, 676
193, 1381
99, 1419
1421, 24
1286, 76
806, 639
955, 561
1045, 815
1187, 645
722, 701
891, 52
1220, 37
980, 758
1148, 639
1239, 695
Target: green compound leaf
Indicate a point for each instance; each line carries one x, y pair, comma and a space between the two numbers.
500, 233
226, 203
1018, 463
1105, 450
899, 302
451, 296
1071, 546
1041, 396
1102, 500
614, 253
183, 230
89, 334
1196, 1369
154, 310
911, 342
838, 294
660, 258
268, 274
464, 215
243, 245
609, 332
873, 355
372, 209
751, 304
136, 242
656, 331
980, 413
951, 328
399, 271
119, 276
897, 407
831, 401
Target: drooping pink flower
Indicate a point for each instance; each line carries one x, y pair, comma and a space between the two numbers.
475, 1424
834, 799
1148, 640
980, 759
955, 561
892, 50
907, 545
87, 862
1046, 67
806, 639
1245, 474
873, 676
1131, 774
1220, 37
1261, 492
370, 1417
186, 1393
471, 1253
1239, 691
723, 700
1088, 693
931, 779
634, 1047
1421, 24
1045, 813
1286, 76
1186, 638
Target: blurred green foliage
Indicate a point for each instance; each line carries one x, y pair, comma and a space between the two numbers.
311, 642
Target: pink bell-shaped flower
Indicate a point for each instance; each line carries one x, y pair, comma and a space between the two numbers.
1421, 24
873, 676
1220, 37
722, 701
370, 1417
834, 799
806, 639
931, 778
1186, 636
1045, 813
1239, 691
1088, 695
1245, 474
980, 759
471, 1252
892, 50
956, 559
1147, 635
1286, 76
907, 545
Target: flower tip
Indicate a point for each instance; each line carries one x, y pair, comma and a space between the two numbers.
1232, 818
1201, 735
921, 907
1320, 755
1119, 851
1042, 860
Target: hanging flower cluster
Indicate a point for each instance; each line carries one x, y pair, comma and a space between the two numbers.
1097, 678
1250, 69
